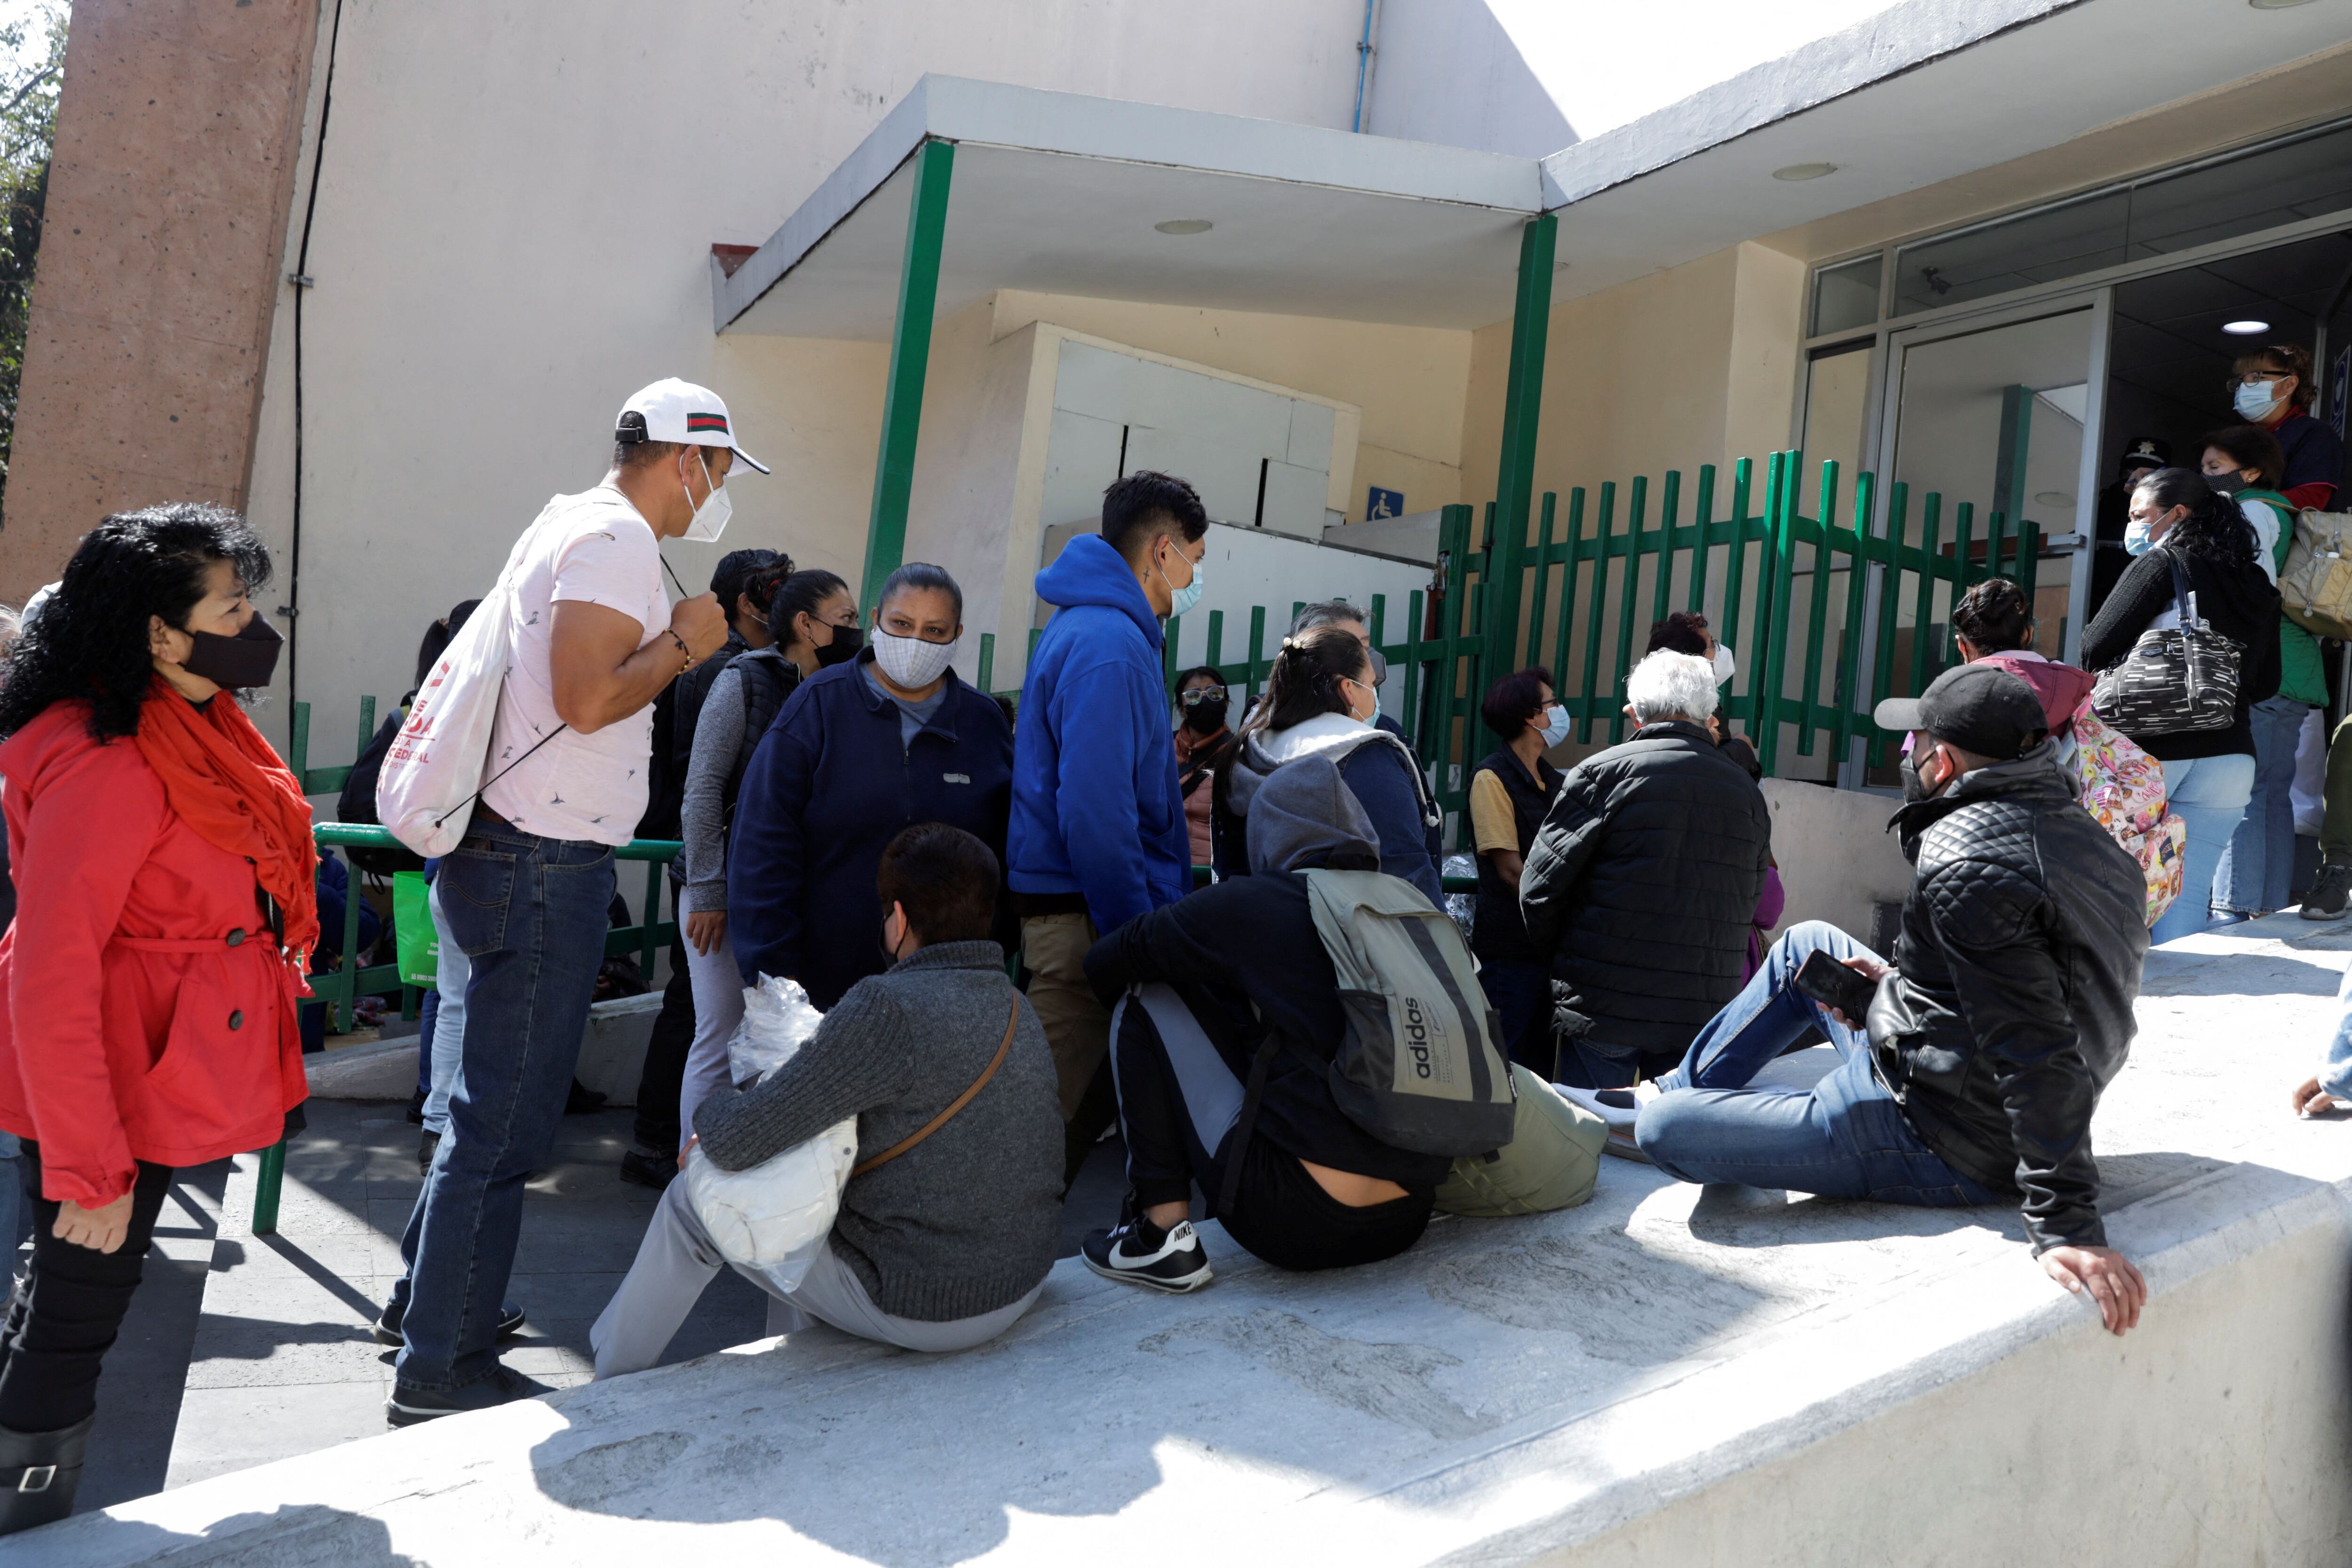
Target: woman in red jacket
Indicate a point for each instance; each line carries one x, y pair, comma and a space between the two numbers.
165, 906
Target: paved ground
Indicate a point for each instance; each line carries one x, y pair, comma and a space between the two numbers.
241, 1350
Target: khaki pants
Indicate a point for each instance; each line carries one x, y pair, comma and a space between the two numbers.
1077, 1027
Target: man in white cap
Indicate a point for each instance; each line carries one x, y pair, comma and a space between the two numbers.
594, 638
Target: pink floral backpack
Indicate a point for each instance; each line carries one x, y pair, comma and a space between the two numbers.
2122, 788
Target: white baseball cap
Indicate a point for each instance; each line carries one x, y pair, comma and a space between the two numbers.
673, 409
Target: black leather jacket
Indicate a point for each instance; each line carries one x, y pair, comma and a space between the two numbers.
2012, 1004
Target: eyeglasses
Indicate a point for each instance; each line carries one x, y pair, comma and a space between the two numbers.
1195, 697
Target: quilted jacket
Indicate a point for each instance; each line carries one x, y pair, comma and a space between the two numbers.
1639, 890
2012, 1005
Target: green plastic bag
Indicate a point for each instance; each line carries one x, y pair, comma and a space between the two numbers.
412, 918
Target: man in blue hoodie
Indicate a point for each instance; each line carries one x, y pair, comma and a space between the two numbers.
1098, 834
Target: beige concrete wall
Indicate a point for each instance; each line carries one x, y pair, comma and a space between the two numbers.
2215, 1435
177, 136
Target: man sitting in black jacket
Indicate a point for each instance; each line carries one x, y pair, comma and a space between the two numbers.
1642, 881
2006, 1011
1214, 974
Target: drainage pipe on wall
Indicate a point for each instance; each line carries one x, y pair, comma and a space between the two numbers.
1364, 50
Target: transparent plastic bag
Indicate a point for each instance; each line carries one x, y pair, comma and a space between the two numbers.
778, 1019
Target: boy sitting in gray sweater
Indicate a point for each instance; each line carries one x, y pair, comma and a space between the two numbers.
947, 1244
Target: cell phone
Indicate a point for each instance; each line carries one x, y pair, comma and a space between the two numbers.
1833, 985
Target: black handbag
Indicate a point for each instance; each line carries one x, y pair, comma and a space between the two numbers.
2175, 681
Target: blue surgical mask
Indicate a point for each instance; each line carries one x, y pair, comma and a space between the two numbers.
1555, 729
2255, 399
2137, 538
1180, 599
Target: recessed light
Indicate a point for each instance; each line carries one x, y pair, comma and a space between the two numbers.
2245, 328
2276, 5
1185, 226
2054, 498
1804, 171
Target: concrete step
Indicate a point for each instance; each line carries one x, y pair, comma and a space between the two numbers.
1669, 1375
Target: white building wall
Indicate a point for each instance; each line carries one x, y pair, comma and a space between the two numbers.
513, 220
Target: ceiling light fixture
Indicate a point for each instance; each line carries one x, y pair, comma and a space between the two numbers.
1804, 171
1185, 226
2245, 328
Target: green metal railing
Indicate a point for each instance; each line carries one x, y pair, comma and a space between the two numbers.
1782, 590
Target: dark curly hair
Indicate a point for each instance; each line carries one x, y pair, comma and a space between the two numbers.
89, 640
1994, 616
2213, 528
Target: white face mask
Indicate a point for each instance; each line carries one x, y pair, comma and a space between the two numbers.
1556, 723
1724, 666
711, 517
910, 662
2255, 399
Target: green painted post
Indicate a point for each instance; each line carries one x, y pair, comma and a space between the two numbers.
1257, 661
267, 1185
1963, 527
1759, 639
1773, 630
1412, 644
1217, 641
1627, 597
1522, 415
1857, 580
988, 662
367, 724
1816, 608
1996, 542
1597, 606
910, 352
1560, 645
2009, 450
1735, 583
1701, 548
1923, 614
2029, 560
1669, 506
1890, 589
1543, 577
1167, 665
651, 923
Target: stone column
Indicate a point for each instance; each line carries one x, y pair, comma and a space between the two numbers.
179, 129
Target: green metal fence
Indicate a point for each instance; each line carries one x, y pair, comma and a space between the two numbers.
1827, 616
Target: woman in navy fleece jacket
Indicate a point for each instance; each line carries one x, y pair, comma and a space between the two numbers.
844, 767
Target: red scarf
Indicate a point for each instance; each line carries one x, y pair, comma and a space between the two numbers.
223, 779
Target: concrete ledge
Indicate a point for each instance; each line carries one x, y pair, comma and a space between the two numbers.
1669, 1375
612, 1055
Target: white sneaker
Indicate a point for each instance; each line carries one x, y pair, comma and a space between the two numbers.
1617, 1109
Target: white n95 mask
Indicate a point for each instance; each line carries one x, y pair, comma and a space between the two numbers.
1725, 667
910, 662
711, 517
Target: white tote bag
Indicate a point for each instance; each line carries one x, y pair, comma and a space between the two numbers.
774, 1215
434, 769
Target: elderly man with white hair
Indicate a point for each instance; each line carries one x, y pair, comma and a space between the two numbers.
1641, 882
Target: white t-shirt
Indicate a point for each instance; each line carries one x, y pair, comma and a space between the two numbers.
591, 549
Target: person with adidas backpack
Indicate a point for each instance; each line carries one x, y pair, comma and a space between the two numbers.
1308, 1042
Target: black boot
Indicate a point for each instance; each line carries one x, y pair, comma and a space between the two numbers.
40, 1473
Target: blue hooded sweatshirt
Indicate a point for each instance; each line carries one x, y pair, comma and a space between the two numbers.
1096, 807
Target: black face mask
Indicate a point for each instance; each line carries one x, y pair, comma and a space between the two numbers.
2225, 484
244, 662
1207, 718
1915, 789
847, 641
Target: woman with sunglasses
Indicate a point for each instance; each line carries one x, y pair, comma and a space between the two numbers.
1203, 741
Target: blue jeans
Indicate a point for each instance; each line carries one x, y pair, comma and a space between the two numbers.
452, 970
528, 914
1845, 1137
2259, 860
2209, 794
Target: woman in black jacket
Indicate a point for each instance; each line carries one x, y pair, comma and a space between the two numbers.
2209, 774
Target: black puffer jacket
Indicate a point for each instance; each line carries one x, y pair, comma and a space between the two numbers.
1640, 889
2012, 1004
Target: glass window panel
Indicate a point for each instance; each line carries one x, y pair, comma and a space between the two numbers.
1837, 389
2264, 190
2035, 247
1846, 295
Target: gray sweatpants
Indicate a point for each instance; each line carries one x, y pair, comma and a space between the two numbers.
677, 1260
